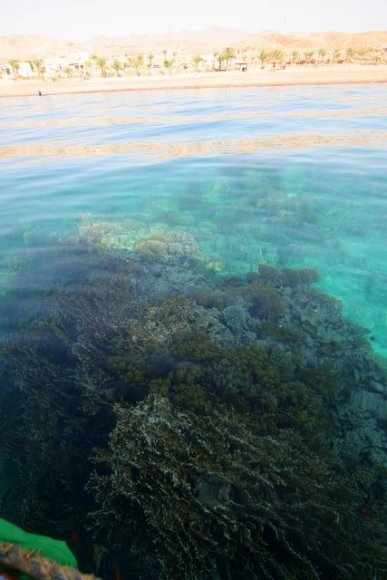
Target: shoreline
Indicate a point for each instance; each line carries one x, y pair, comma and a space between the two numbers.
292, 76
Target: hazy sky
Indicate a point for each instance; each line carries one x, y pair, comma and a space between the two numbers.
82, 19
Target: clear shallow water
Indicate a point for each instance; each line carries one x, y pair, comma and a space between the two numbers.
154, 366
289, 176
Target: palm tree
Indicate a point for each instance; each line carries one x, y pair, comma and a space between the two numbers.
15, 67
100, 61
227, 54
39, 67
295, 56
167, 63
150, 58
117, 65
197, 60
321, 54
350, 54
263, 56
308, 54
87, 65
276, 56
138, 62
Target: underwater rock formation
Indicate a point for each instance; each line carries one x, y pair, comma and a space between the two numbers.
245, 414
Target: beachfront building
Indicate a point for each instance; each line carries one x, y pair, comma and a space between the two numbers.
77, 62
5, 71
66, 66
25, 70
209, 61
21, 69
53, 67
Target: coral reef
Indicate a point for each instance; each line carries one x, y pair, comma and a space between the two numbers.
240, 420
207, 495
167, 246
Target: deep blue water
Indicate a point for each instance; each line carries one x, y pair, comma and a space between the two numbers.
290, 176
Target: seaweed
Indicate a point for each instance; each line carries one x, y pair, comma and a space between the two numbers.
207, 495
230, 443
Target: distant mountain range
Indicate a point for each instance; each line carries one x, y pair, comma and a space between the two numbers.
209, 40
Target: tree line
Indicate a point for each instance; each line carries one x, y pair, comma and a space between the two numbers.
228, 58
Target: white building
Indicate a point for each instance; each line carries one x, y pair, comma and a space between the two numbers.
25, 70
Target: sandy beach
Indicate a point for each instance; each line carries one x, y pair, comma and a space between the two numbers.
341, 74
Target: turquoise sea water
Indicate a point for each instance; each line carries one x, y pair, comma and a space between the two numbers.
193, 330
289, 176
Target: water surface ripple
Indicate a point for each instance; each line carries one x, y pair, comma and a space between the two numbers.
291, 176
